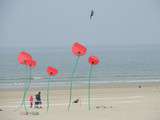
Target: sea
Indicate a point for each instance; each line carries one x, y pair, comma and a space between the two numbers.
118, 64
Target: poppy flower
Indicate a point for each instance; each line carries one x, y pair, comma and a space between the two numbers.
52, 71
31, 63
23, 57
93, 60
79, 49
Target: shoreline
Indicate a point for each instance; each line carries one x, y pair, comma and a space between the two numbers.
93, 86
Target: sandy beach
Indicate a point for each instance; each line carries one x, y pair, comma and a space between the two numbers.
108, 103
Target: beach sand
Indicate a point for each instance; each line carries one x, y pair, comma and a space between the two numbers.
107, 103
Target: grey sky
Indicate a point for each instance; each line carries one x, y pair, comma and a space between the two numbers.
61, 22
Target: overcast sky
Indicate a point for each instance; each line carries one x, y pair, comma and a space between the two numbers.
61, 22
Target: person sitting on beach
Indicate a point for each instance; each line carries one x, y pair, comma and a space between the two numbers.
38, 101
31, 101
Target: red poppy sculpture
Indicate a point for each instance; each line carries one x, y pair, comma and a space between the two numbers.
31, 63
78, 50
51, 72
92, 60
24, 58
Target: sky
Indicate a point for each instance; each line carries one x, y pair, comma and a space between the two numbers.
47, 23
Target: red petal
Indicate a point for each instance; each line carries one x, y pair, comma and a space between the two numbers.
93, 60
31, 63
79, 49
52, 71
23, 57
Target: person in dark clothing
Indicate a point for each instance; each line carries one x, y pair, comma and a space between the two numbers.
38, 101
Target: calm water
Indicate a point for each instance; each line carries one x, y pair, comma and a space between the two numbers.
118, 64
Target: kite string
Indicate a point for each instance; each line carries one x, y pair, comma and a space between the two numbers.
89, 86
71, 82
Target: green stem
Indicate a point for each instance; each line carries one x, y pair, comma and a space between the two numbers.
89, 86
24, 93
28, 86
25, 87
71, 83
48, 95
24, 101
